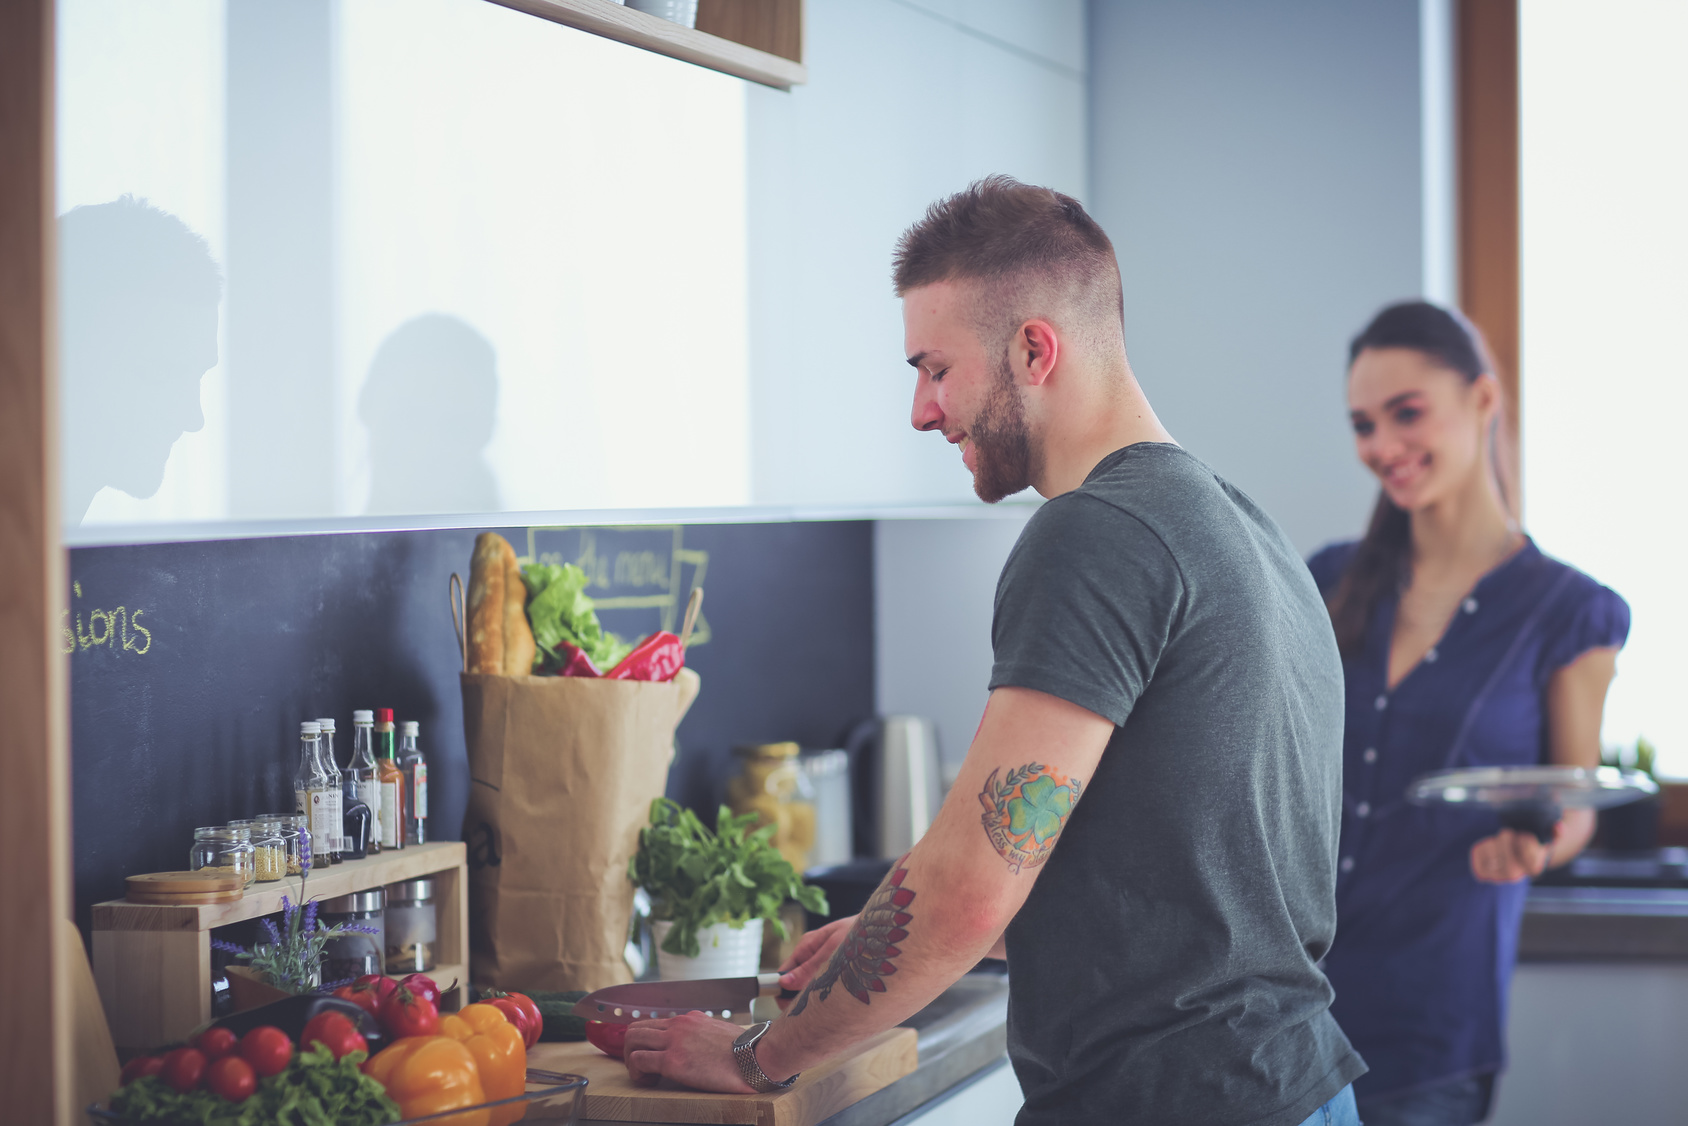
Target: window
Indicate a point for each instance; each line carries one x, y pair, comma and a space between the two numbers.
1604, 174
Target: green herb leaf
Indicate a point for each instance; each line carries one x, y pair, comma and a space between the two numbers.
697, 878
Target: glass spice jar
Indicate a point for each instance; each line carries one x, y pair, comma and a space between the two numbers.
269, 849
771, 785
223, 849
412, 926
358, 953
295, 836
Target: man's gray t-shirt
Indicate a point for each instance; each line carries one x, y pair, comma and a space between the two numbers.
1164, 968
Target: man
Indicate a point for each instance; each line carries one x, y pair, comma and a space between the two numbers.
1166, 702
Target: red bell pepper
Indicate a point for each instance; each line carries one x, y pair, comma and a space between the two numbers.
658, 657
578, 663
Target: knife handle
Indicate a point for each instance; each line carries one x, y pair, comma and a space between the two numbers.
767, 984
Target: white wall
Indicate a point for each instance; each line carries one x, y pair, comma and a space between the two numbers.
907, 101
1259, 169
934, 584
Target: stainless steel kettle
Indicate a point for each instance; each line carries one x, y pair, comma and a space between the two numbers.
897, 780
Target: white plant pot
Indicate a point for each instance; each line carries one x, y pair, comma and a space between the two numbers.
724, 951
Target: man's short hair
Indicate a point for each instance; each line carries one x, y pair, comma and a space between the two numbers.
1034, 249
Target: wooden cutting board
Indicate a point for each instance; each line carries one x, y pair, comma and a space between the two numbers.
179, 888
818, 1093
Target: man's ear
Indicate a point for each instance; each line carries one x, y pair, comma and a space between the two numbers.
1035, 351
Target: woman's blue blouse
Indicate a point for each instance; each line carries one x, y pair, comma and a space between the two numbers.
1423, 953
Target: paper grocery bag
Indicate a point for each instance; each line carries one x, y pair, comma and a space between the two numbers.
562, 774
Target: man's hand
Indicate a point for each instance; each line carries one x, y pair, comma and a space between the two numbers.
693, 1049
813, 952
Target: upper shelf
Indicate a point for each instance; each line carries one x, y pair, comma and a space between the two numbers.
761, 40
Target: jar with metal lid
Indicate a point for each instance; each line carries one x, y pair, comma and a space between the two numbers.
224, 849
269, 849
771, 785
412, 926
356, 954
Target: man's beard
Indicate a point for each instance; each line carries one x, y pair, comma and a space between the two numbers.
1002, 445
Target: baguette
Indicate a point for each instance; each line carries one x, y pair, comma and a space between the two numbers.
487, 569
518, 635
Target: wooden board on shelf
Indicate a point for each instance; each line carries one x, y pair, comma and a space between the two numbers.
819, 1092
265, 899
640, 29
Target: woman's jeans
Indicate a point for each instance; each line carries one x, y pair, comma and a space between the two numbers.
1338, 1112
1461, 1102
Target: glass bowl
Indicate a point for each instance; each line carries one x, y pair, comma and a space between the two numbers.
557, 1101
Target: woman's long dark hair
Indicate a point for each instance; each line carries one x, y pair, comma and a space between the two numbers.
1384, 556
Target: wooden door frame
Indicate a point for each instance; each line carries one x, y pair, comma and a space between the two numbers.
1487, 124
35, 861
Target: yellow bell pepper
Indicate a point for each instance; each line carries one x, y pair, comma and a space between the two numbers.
499, 1051
430, 1074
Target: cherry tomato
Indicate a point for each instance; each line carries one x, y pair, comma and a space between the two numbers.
336, 1032
216, 1042
184, 1068
267, 1049
405, 1014
423, 986
606, 1036
364, 997
232, 1079
140, 1067
383, 985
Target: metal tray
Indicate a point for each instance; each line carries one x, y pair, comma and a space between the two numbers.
558, 1102
1509, 787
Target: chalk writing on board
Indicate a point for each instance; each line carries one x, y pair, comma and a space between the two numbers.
641, 577
119, 630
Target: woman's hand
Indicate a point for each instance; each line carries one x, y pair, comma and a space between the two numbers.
813, 952
1510, 856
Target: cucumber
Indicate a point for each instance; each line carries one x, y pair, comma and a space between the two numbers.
558, 1011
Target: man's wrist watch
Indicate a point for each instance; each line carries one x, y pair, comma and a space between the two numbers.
744, 1054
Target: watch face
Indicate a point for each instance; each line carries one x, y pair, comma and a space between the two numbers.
749, 1035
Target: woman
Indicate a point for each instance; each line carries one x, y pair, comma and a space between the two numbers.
1463, 645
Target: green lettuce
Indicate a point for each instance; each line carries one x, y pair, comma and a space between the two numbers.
561, 614
315, 1090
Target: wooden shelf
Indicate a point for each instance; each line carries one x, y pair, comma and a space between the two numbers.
153, 964
265, 899
761, 40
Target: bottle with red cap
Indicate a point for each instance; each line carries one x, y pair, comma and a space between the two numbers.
393, 803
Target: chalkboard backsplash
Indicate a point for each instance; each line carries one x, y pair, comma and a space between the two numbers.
192, 664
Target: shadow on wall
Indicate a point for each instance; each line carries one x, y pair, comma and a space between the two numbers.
429, 404
138, 294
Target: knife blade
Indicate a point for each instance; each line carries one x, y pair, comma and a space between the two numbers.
728, 997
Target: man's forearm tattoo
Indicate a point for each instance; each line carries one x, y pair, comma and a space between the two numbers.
1025, 812
867, 956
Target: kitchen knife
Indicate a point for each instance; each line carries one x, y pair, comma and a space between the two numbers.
728, 997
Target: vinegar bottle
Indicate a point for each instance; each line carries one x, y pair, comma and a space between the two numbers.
392, 782
334, 807
362, 778
415, 770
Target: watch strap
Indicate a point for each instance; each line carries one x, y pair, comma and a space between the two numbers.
744, 1054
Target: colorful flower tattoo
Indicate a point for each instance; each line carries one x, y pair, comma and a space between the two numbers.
1025, 811
867, 955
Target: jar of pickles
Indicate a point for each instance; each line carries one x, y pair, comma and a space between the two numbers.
223, 849
771, 785
269, 850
